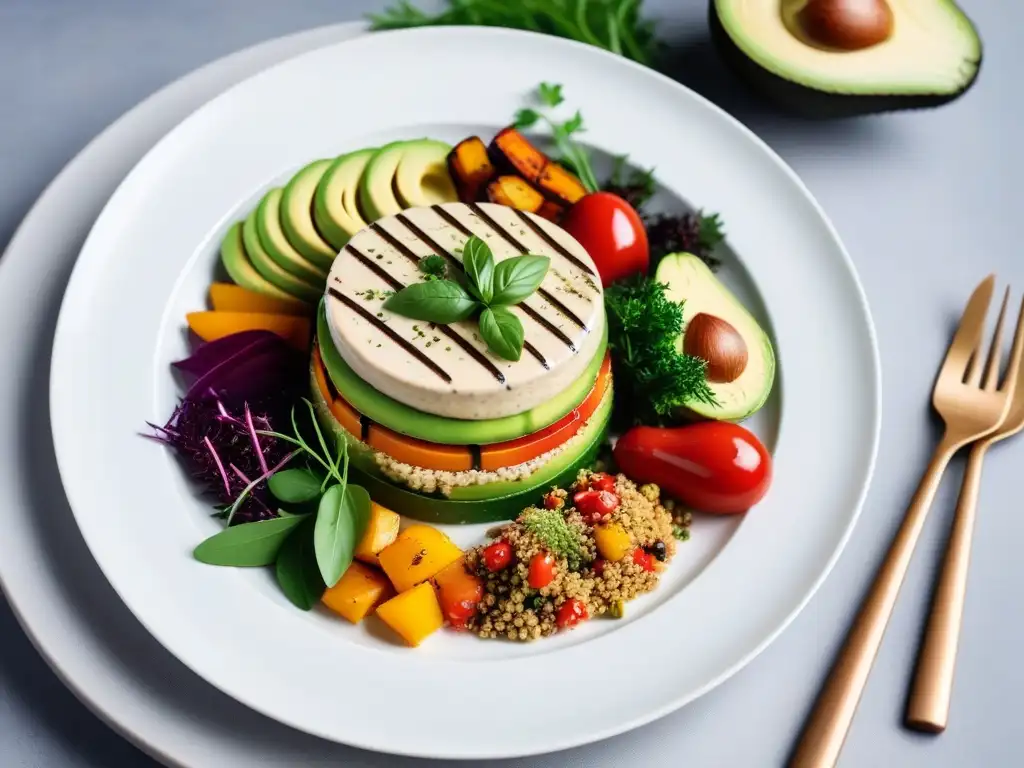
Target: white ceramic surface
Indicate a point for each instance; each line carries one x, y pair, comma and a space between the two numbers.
139, 516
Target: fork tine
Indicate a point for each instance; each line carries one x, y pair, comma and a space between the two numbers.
969, 332
995, 351
1016, 354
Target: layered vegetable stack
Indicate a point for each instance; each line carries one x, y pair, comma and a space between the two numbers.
461, 353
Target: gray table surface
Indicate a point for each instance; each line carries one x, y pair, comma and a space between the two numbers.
926, 206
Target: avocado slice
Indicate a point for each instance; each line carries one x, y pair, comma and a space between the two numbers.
718, 328
377, 197
440, 429
270, 269
240, 269
297, 215
335, 210
910, 54
422, 176
272, 237
501, 500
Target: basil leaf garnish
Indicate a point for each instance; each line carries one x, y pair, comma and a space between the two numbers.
503, 332
478, 261
518, 277
247, 544
436, 301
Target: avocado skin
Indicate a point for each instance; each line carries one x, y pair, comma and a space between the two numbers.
810, 102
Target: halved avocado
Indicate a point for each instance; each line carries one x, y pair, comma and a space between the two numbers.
818, 59
270, 269
440, 429
297, 215
422, 176
377, 196
335, 210
719, 329
272, 237
472, 504
240, 269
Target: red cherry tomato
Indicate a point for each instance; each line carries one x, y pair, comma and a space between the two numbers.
593, 505
459, 600
613, 234
571, 613
553, 502
644, 559
497, 556
599, 566
602, 481
711, 466
542, 570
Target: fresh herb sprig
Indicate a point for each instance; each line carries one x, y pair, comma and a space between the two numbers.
487, 292
562, 132
653, 376
311, 550
615, 25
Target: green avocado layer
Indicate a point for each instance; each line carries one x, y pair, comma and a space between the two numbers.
440, 429
501, 500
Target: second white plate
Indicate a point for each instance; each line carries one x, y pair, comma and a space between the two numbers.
149, 258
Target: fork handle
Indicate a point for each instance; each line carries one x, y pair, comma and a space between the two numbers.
826, 729
928, 708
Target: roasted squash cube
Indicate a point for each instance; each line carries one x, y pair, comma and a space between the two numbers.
415, 614
359, 590
380, 531
514, 192
419, 553
470, 168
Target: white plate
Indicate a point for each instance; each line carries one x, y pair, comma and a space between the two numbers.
60, 597
149, 259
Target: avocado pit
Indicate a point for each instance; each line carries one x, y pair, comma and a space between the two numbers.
719, 343
847, 25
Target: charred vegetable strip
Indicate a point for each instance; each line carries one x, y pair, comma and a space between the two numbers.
514, 192
471, 168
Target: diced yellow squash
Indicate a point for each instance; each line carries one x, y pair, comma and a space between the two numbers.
613, 543
358, 592
381, 531
418, 553
415, 614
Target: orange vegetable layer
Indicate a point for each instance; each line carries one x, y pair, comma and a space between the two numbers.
228, 297
210, 326
459, 458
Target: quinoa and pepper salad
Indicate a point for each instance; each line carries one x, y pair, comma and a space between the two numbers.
581, 554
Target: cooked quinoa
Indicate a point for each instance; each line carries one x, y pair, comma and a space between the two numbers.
511, 609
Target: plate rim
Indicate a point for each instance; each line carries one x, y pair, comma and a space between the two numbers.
132, 120
864, 315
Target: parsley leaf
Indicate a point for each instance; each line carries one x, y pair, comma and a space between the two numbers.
653, 376
550, 94
433, 266
526, 117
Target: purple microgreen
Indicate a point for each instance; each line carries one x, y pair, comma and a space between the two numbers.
248, 489
255, 440
220, 465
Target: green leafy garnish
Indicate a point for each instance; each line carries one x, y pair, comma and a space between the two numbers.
615, 25
296, 568
557, 535
651, 373
570, 154
710, 232
436, 301
518, 277
502, 332
294, 486
433, 266
680, 533
247, 544
490, 289
636, 187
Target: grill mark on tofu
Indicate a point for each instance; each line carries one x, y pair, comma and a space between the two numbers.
468, 348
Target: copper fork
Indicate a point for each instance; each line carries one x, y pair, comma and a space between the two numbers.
928, 707
970, 409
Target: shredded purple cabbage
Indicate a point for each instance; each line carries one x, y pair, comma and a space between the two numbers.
242, 385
